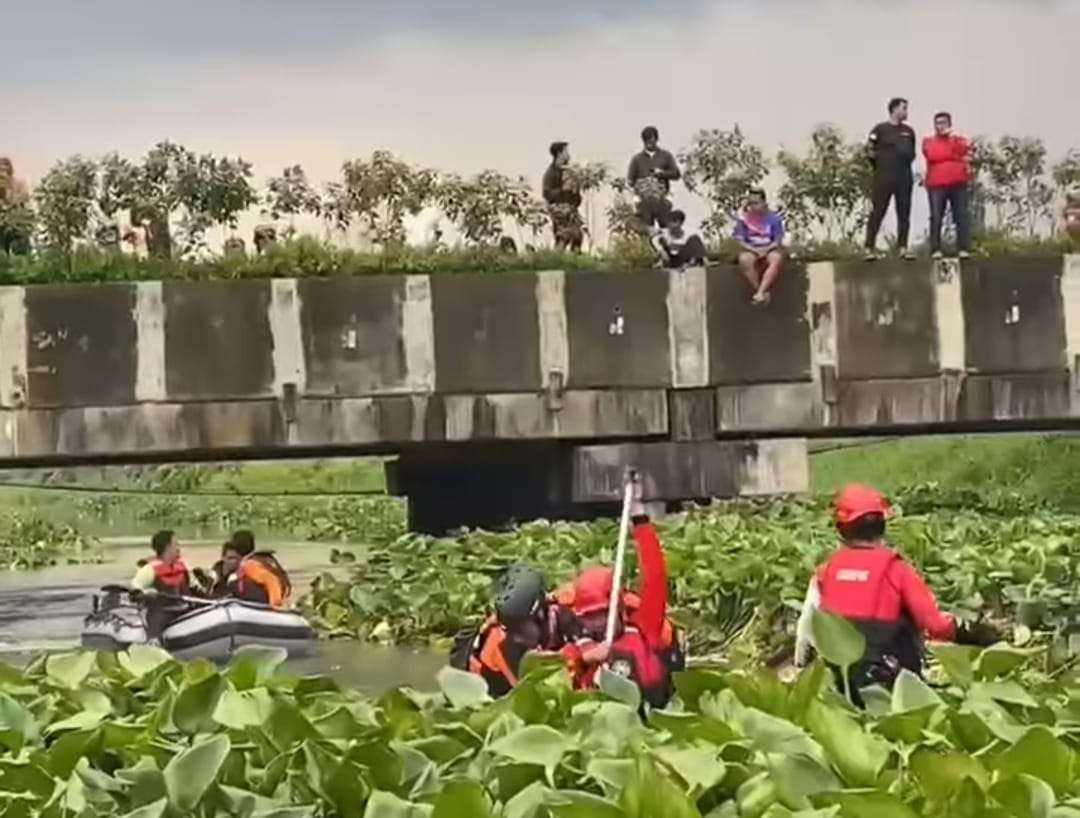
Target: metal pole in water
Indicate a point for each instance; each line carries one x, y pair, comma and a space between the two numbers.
620, 555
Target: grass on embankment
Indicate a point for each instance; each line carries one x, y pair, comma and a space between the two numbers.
1039, 468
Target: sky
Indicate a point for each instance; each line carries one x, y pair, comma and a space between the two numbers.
489, 83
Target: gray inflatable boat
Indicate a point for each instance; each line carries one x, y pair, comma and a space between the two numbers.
209, 629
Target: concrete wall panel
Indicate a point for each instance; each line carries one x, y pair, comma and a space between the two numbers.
885, 320
353, 339
605, 352
218, 343
760, 407
1015, 320
749, 344
1015, 397
887, 402
81, 345
486, 334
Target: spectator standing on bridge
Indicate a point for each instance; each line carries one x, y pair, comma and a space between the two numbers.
948, 173
563, 200
760, 233
650, 176
891, 150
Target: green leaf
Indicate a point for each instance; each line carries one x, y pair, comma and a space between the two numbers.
1007, 691
911, 693
527, 802
956, 661
1042, 755
836, 639
700, 768
191, 772
69, 669
17, 726
387, 805
462, 689
798, 778
573, 804
859, 756
238, 710
1024, 796
193, 711
692, 684
1000, 661
612, 773
462, 798
140, 660
942, 774
535, 744
155, 809
650, 794
867, 804
254, 665
619, 688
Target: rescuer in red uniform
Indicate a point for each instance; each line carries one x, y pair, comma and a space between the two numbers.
875, 589
645, 648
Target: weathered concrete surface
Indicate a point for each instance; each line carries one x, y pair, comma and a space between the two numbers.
218, 343
676, 471
383, 363
486, 333
885, 320
617, 329
749, 344
81, 346
1015, 321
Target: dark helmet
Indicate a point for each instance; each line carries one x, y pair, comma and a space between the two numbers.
519, 593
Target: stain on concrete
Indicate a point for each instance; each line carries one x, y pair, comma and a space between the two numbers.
756, 407
1015, 397
749, 344
353, 338
81, 345
218, 343
894, 401
486, 333
617, 326
1015, 318
885, 320
693, 414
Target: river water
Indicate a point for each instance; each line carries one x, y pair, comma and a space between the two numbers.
43, 610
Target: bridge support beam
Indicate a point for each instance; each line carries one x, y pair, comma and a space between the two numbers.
492, 485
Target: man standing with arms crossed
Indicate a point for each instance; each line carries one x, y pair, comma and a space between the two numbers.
891, 150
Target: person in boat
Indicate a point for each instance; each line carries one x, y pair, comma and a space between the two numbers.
881, 594
254, 576
165, 578
646, 646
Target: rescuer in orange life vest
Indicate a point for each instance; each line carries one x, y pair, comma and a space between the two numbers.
573, 619
646, 647
872, 586
166, 575
255, 576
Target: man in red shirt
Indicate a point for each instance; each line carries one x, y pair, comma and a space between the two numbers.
874, 588
948, 174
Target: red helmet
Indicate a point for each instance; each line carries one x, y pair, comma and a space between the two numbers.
592, 589
856, 500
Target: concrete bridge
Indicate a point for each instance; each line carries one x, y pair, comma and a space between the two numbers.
523, 394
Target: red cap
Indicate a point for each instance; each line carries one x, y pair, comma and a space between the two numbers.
856, 500
592, 589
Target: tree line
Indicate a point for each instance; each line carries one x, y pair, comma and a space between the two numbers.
180, 195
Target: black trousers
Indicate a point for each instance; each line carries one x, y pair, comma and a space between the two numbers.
956, 197
885, 189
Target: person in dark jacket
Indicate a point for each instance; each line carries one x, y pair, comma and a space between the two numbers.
650, 176
948, 173
874, 588
563, 200
891, 150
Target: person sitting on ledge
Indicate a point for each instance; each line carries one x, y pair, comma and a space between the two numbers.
760, 233
676, 247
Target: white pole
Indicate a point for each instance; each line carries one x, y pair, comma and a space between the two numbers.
620, 555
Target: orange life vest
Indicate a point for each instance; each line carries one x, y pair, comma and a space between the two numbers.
261, 578
171, 577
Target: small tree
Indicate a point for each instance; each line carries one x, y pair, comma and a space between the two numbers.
588, 178
17, 218
721, 166
225, 190
826, 191
382, 191
1018, 173
480, 204
290, 195
65, 203
622, 217
1066, 175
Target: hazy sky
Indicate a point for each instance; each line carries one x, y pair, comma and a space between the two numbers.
463, 86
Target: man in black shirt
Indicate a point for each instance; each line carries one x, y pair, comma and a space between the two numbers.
563, 199
891, 150
650, 175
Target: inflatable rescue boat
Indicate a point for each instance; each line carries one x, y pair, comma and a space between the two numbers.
210, 629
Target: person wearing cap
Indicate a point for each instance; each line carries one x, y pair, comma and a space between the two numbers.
645, 647
875, 589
